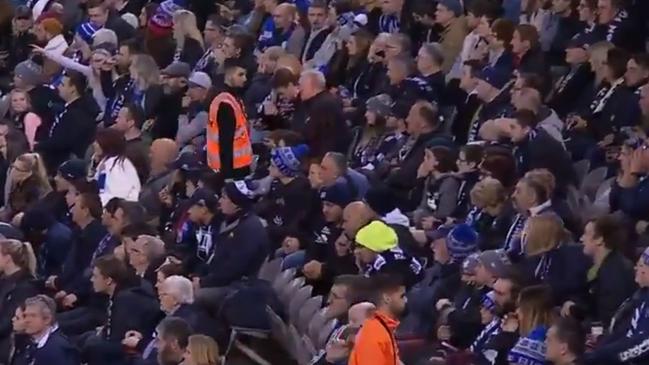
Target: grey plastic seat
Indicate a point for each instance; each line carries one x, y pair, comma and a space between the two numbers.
290, 290
297, 301
307, 311
278, 329
282, 280
592, 181
270, 269
324, 334
315, 324
581, 169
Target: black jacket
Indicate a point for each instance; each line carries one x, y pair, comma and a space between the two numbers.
324, 127
78, 260
71, 134
166, 115
192, 51
542, 151
533, 61
613, 284
492, 231
14, 289
45, 102
396, 261
569, 88
567, 28
56, 350
243, 247
123, 30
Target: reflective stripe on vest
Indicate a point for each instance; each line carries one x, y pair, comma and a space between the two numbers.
242, 149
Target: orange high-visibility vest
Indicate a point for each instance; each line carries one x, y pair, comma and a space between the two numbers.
242, 148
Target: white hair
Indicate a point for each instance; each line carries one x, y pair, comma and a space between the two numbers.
104, 35
317, 77
180, 288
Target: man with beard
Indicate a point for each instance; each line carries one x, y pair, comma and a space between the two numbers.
376, 343
173, 336
174, 86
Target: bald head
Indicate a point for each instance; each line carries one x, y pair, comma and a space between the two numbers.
356, 215
162, 152
284, 15
358, 313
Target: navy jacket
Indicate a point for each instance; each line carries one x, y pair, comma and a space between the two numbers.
57, 349
78, 259
54, 250
14, 289
631, 201
241, 249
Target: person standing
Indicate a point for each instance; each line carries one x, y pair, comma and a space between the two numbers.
229, 149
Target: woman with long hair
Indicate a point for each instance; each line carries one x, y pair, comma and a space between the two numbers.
189, 40
201, 350
146, 88
550, 257
359, 80
17, 266
115, 174
26, 184
22, 116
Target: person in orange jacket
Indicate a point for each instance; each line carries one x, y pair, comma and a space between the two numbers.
375, 342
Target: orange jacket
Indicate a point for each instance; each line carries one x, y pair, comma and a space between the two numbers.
374, 344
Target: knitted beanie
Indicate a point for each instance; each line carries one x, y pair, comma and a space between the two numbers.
163, 17
86, 31
529, 350
377, 237
240, 193
338, 193
470, 264
288, 160
30, 72
461, 241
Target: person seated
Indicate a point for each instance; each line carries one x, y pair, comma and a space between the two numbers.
277, 30
551, 259
115, 174
495, 102
498, 35
404, 84
196, 249
118, 214
536, 149
17, 266
243, 242
328, 252
144, 252
603, 239
49, 344
526, 47
19, 339
434, 199
565, 342
468, 173
286, 204
172, 341
162, 153
53, 238
377, 252
628, 192
430, 59
129, 121
334, 169
131, 308
621, 26
201, 349
27, 183
424, 130
622, 342
492, 213
466, 101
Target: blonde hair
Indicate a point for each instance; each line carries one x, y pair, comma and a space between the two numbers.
204, 350
145, 70
25, 94
21, 253
535, 305
488, 192
545, 178
34, 163
597, 55
185, 26
543, 233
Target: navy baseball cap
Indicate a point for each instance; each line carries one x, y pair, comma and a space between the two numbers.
495, 77
187, 161
73, 169
582, 40
205, 197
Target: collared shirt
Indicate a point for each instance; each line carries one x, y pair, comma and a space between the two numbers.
539, 209
42, 341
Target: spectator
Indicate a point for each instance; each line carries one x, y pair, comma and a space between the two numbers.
40, 325
118, 214
115, 174
73, 128
193, 122
322, 134
533, 317
377, 252
279, 29
565, 343
213, 35
429, 64
145, 252
173, 340
533, 150
18, 267
131, 308
530, 98
567, 26
28, 76
19, 339
499, 42
491, 82
627, 192
602, 241
130, 120
201, 350
101, 15
317, 32
367, 143
21, 37
334, 169
491, 215
174, 85
189, 42
450, 15
27, 183
528, 56
467, 163
162, 153
437, 187
285, 207
243, 243
49, 31
378, 331
23, 117
545, 244
53, 239
619, 25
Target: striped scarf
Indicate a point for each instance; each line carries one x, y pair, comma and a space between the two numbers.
119, 100
389, 23
490, 330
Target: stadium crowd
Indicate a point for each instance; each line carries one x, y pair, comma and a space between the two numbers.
362, 182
